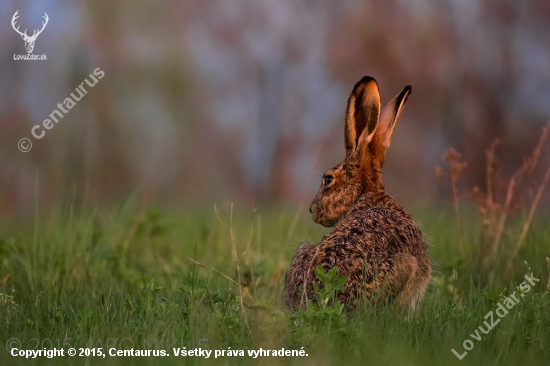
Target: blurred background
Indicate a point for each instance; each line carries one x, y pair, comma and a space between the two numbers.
244, 100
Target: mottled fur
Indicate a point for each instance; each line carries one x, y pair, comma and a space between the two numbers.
374, 241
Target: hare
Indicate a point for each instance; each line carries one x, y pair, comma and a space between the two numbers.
374, 242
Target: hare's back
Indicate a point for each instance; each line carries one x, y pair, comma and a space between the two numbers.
378, 230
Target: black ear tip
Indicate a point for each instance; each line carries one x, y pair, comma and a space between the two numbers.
402, 97
365, 80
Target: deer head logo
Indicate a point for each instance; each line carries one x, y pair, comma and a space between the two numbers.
29, 40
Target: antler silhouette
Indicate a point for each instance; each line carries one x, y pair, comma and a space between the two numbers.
43, 26
13, 19
29, 40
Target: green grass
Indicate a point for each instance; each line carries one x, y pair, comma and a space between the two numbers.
128, 278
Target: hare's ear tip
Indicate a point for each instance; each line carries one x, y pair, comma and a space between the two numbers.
365, 80
404, 95
366, 83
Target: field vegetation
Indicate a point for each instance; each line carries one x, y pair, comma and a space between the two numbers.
211, 278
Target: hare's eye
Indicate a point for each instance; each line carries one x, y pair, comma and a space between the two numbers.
328, 179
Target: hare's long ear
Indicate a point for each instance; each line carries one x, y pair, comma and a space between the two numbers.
389, 116
361, 116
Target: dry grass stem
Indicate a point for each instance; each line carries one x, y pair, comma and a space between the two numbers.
215, 270
527, 167
529, 219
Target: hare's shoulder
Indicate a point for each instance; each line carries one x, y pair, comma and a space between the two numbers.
379, 227
378, 217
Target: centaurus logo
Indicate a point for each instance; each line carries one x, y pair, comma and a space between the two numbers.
29, 40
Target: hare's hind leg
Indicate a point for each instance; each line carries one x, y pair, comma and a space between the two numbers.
407, 282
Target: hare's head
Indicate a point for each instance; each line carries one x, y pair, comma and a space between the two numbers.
367, 133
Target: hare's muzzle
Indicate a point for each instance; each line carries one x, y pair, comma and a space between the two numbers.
314, 210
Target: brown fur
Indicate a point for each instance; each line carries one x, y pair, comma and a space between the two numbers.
374, 241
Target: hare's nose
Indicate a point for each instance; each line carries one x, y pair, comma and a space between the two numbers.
310, 210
